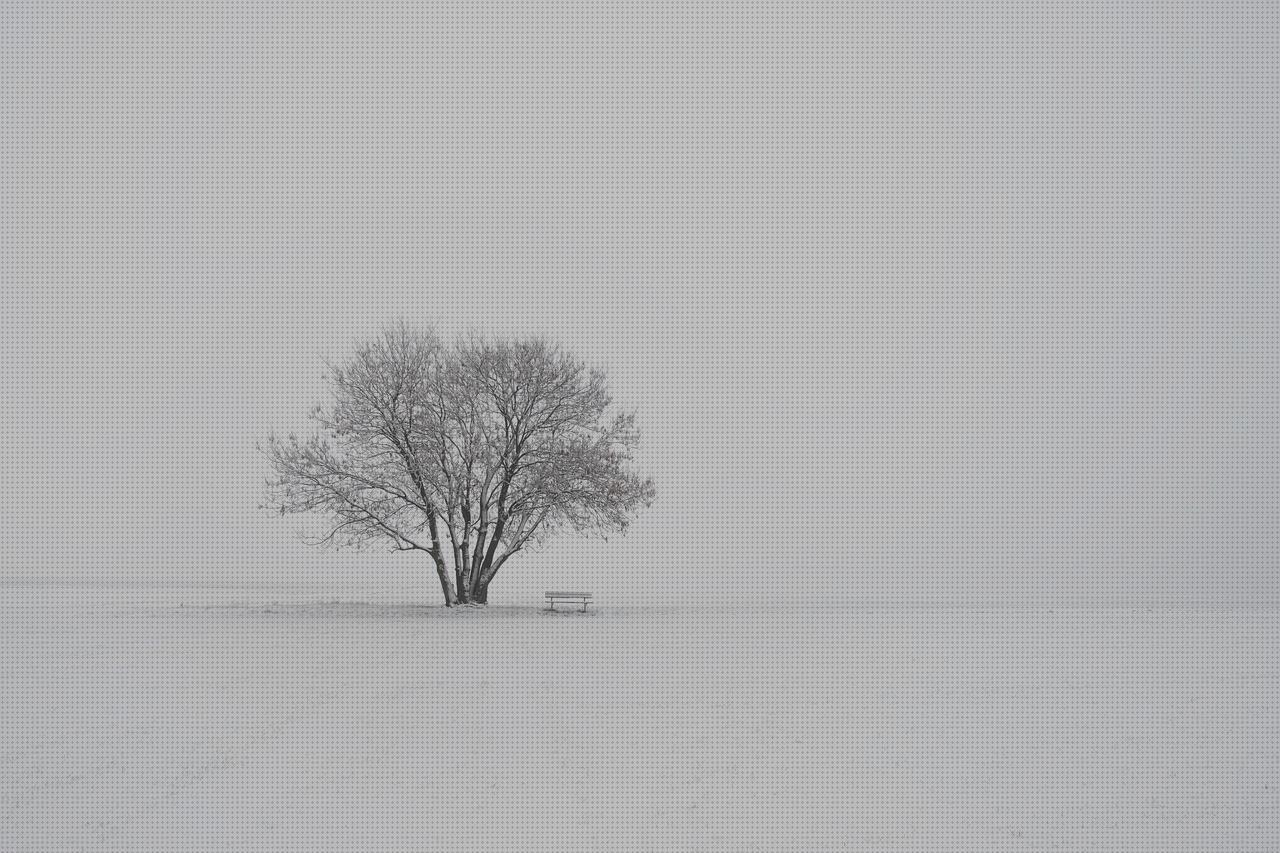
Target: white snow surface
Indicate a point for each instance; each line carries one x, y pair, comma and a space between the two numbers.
213, 723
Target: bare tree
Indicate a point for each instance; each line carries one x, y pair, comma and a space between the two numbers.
469, 453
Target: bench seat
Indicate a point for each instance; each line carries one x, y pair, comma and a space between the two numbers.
584, 598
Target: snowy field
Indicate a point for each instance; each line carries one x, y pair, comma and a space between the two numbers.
140, 724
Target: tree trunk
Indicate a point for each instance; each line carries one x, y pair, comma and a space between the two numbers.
481, 594
479, 589
446, 584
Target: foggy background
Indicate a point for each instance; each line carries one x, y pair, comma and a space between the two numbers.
916, 303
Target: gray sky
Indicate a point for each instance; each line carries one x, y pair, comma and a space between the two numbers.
915, 302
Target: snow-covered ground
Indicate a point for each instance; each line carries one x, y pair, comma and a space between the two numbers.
135, 723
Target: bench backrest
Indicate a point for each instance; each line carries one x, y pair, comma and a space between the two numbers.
567, 595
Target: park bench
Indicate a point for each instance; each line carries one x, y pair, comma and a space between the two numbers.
582, 597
